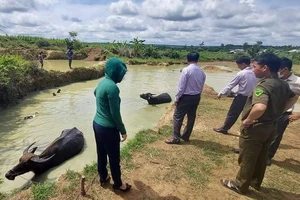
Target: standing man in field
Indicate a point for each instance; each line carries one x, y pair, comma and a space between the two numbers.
70, 57
246, 81
271, 97
41, 59
285, 73
187, 99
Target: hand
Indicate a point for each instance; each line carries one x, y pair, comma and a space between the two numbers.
176, 103
219, 96
247, 122
294, 117
124, 137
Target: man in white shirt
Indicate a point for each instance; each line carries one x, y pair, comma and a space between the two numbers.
246, 81
285, 73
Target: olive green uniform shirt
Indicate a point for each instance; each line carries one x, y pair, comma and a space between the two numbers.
272, 92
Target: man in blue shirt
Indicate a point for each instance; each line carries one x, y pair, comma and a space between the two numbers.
246, 81
190, 86
70, 57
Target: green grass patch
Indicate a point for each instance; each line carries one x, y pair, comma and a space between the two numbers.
142, 138
72, 175
43, 191
91, 170
152, 152
198, 171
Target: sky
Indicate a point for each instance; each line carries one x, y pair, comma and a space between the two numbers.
174, 22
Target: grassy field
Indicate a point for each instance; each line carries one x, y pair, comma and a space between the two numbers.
186, 171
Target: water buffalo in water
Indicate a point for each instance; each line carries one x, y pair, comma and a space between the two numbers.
67, 145
156, 99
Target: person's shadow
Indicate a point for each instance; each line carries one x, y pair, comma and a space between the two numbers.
143, 191
272, 194
289, 164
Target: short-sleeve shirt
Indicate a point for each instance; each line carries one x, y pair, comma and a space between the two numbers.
272, 92
294, 83
70, 54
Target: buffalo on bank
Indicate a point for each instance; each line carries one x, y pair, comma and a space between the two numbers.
67, 145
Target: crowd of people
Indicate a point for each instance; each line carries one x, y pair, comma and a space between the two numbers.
267, 92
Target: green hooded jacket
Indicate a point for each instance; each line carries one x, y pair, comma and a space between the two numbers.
107, 96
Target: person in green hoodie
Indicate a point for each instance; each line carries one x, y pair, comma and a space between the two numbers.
108, 124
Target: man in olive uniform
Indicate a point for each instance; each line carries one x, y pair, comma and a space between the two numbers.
271, 97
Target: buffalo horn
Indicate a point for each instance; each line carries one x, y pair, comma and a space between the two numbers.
26, 150
41, 160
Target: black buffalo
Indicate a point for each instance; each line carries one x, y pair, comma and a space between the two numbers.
156, 99
67, 145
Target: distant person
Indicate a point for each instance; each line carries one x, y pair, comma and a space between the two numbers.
285, 73
70, 56
41, 59
246, 81
108, 124
271, 97
191, 83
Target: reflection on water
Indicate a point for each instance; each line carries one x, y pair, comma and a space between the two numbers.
75, 107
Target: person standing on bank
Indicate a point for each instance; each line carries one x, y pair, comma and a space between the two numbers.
246, 81
108, 124
271, 97
187, 99
41, 59
285, 73
70, 57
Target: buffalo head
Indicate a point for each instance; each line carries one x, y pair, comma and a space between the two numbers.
27, 162
146, 96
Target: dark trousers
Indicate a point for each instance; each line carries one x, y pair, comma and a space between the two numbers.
254, 144
187, 105
234, 111
108, 144
282, 123
70, 63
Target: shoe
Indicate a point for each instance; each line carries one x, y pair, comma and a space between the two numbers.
103, 182
269, 162
255, 187
128, 187
172, 140
220, 130
184, 139
235, 150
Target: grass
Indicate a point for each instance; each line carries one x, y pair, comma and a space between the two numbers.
43, 191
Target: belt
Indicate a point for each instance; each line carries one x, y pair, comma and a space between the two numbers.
191, 94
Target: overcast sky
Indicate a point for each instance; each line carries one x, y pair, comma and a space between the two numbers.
274, 22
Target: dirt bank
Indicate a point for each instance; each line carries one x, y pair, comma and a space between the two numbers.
215, 69
42, 79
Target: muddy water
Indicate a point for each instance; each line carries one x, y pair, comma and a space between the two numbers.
75, 107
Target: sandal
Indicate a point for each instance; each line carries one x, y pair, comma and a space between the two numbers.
102, 182
231, 185
128, 187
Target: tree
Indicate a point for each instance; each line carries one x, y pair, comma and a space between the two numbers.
246, 46
138, 46
255, 49
72, 41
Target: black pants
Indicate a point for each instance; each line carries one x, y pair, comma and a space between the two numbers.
282, 123
187, 105
108, 144
234, 112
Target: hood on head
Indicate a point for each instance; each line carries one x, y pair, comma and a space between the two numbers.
115, 69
